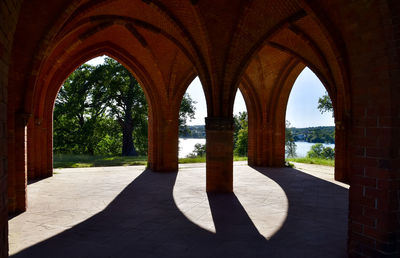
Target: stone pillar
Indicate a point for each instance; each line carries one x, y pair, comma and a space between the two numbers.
219, 148
163, 145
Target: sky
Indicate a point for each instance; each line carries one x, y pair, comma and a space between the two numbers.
301, 110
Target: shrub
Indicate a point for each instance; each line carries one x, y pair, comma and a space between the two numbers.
199, 151
319, 151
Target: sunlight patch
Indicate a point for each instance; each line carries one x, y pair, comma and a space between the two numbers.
261, 199
191, 198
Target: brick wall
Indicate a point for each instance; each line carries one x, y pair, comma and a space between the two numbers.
374, 191
8, 19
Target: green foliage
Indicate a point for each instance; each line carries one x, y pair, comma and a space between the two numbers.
288, 164
316, 151
76, 114
321, 134
290, 145
192, 159
317, 161
240, 135
325, 104
102, 110
202, 159
186, 112
328, 153
319, 151
193, 131
126, 104
83, 161
108, 146
199, 151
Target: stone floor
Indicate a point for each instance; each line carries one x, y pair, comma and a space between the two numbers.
133, 212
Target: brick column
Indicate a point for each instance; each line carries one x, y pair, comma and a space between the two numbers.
3, 150
266, 143
163, 145
9, 11
341, 153
278, 143
39, 149
259, 149
219, 137
17, 178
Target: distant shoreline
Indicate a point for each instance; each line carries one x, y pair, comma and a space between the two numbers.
314, 134
185, 138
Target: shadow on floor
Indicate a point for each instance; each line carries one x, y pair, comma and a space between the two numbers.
144, 221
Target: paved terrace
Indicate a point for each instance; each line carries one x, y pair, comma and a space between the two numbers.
132, 212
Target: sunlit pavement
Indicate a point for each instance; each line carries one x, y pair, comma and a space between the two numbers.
133, 212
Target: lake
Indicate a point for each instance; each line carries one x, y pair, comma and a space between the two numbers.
303, 147
186, 146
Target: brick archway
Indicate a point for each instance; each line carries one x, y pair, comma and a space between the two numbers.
137, 51
270, 75
351, 46
39, 139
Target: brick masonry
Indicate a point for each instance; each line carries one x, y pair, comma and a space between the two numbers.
8, 19
353, 47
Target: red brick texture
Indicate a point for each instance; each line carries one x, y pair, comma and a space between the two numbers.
219, 156
8, 19
163, 144
352, 46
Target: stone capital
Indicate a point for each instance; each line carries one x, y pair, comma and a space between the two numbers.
219, 123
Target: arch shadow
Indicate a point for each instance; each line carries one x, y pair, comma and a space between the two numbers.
144, 221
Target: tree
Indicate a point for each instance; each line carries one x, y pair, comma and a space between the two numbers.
125, 100
325, 104
319, 151
290, 145
94, 101
199, 151
186, 112
328, 153
240, 134
237, 125
316, 151
241, 145
77, 110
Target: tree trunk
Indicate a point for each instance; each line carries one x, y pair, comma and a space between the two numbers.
128, 149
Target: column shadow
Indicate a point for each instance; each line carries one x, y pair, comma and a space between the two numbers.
144, 221
317, 217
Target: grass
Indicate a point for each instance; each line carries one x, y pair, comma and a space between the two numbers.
192, 160
238, 158
203, 159
85, 161
317, 161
